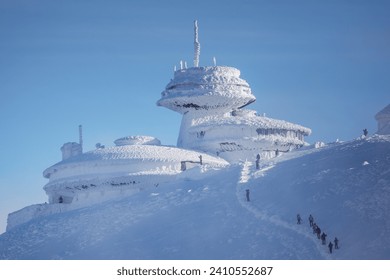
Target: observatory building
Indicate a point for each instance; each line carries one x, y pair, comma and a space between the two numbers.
212, 101
216, 130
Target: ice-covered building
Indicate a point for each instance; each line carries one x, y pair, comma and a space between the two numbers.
135, 163
211, 100
215, 131
383, 119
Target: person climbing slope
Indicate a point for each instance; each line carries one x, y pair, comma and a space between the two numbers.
311, 220
330, 247
247, 194
299, 219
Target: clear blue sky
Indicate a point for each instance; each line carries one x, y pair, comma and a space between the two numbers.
103, 64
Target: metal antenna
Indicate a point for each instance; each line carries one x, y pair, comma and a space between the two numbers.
81, 137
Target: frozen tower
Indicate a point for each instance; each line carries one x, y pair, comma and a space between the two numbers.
200, 91
205, 88
211, 101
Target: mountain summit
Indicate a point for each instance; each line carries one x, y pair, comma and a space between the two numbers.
205, 215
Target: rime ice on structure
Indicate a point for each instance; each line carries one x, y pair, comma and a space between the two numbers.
211, 100
135, 163
215, 131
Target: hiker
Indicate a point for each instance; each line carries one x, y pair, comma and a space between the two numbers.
315, 228
365, 132
60, 200
258, 161
200, 160
323, 238
330, 247
311, 220
299, 219
247, 195
336, 243
318, 232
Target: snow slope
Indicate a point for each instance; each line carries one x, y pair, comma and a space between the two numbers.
204, 215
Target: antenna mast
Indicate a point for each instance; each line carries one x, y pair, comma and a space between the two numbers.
81, 137
196, 45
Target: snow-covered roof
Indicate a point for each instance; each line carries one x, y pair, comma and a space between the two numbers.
385, 112
248, 118
133, 154
137, 140
206, 88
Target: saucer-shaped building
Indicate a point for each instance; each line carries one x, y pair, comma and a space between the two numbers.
135, 163
211, 100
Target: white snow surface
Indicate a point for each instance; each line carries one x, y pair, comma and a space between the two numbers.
204, 215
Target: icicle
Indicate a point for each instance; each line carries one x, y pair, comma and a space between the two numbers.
174, 68
181, 64
215, 61
185, 64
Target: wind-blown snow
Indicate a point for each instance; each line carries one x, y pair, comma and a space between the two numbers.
204, 215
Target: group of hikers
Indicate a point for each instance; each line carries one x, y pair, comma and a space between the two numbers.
314, 226
320, 235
